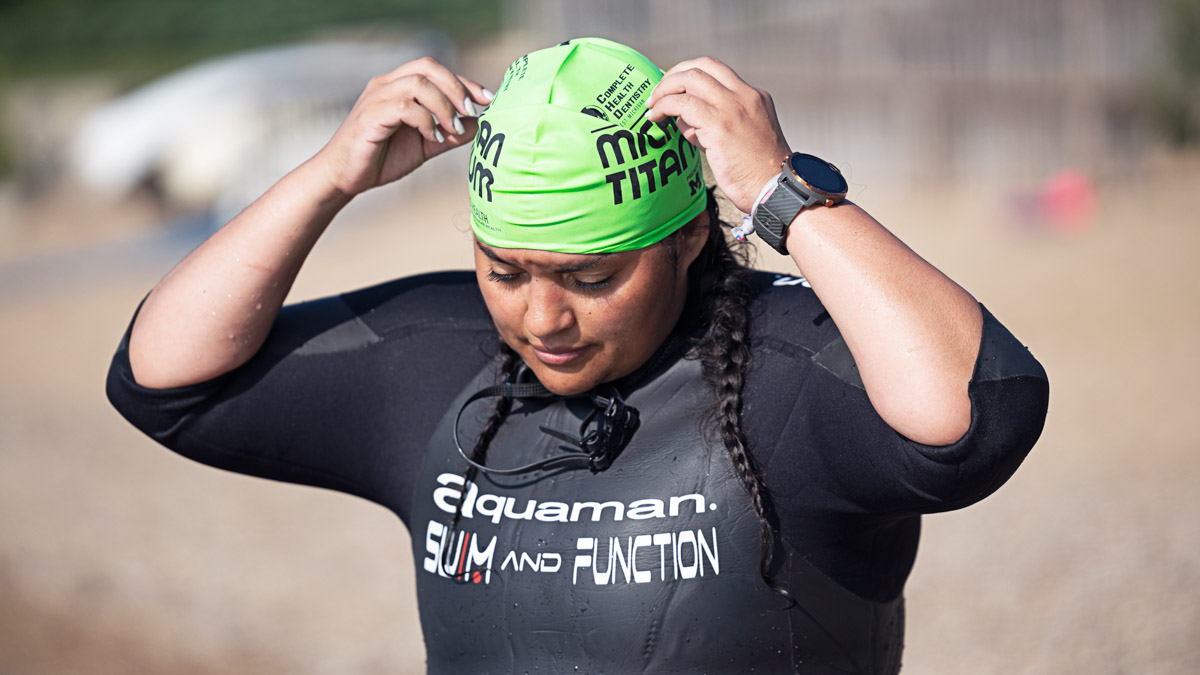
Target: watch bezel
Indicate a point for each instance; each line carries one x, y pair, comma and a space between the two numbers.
789, 170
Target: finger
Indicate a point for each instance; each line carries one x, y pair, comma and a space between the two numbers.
479, 95
451, 86
689, 134
461, 91
465, 93
721, 72
433, 98
437, 148
419, 102
685, 107
395, 113
693, 82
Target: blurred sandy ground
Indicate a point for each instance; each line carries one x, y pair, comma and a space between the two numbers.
117, 556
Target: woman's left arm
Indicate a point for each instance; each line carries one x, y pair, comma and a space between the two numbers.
913, 332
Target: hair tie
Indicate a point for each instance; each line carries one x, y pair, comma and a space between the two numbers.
744, 230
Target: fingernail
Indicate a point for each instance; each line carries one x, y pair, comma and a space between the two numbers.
469, 106
458, 126
438, 135
487, 93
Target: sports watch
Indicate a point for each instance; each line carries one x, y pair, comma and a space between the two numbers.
804, 181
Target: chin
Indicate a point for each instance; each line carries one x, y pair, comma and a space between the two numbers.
563, 381
564, 384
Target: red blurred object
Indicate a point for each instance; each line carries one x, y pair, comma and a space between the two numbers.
1067, 201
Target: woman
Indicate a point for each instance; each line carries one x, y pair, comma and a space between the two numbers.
666, 462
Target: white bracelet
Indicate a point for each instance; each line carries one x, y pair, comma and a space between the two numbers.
744, 230
765, 193
747, 227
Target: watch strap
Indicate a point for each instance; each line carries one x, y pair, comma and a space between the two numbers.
773, 215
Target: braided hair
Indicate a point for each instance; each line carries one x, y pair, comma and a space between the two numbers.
724, 282
509, 361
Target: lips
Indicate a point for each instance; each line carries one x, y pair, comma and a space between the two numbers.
558, 356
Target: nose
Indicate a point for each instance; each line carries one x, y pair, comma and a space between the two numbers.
547, 309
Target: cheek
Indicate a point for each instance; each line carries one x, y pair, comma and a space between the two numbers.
627, 320
613, 318
506, 311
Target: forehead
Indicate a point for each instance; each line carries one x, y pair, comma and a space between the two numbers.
527, 258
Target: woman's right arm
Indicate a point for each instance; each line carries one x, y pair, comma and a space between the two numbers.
213, 311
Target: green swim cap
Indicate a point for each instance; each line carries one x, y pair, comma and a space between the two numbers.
565, 159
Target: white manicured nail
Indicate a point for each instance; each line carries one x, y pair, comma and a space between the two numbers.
469, 106
458, 126
438, 135
487, 93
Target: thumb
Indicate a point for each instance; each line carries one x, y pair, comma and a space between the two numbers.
689, 132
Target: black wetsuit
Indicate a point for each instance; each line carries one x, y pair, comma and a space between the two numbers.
651, 565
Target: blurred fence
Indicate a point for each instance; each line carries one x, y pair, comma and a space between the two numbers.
912, 90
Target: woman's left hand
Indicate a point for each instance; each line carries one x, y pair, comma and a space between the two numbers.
913, 332
732, 122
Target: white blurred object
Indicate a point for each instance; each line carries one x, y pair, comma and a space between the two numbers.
218, 133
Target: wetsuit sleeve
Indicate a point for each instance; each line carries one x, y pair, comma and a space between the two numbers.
1009, 394
343, 394
879, 471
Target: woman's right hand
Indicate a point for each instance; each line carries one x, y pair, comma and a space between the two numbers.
213, 312
402, 118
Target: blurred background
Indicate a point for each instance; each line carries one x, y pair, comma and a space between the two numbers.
1044, 153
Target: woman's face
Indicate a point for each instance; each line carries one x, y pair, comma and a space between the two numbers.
580, 320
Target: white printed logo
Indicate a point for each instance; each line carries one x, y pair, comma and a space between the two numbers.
602, 560
784, 280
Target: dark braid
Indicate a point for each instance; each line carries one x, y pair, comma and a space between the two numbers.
725, 284
508, 362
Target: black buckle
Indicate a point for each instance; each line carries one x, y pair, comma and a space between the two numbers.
612, 425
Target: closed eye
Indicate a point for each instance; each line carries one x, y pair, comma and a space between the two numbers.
503, 278
585, 286
591, 286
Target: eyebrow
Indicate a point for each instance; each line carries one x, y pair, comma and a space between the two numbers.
593, 260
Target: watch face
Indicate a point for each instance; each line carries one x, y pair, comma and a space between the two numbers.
818, 173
